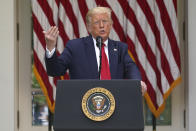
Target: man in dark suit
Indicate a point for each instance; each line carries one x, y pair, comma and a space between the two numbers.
81, 56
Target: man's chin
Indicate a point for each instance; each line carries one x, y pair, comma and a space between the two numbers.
104, 37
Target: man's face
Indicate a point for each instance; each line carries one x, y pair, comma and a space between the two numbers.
100, 26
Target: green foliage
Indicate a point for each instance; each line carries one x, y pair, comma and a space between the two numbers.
35, 83
163, 119
39, 99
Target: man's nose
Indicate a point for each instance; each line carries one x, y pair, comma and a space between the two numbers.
101, 24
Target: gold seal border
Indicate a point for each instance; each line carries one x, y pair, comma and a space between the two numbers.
97, 90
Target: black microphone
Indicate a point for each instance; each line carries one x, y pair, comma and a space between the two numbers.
99, 44
99, 41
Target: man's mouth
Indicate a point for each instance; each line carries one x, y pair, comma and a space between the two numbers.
102, 32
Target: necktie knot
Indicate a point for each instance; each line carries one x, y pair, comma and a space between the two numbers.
103, 45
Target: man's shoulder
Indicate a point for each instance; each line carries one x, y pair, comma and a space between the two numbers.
118, 43
79, 40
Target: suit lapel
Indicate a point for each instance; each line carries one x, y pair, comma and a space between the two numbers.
91, 56
113, 57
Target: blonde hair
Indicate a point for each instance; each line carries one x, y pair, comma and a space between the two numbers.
98, 10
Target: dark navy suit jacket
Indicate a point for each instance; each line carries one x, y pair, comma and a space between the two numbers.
80, 58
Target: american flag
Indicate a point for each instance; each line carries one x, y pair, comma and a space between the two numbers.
149, 27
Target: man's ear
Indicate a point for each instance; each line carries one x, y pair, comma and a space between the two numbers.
88, 28
111, 24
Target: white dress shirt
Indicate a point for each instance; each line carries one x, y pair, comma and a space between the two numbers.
49, 54
97, 52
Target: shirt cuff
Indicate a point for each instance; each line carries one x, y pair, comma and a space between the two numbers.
49, 54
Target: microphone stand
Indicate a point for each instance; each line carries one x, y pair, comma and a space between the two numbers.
100, 56
99, 45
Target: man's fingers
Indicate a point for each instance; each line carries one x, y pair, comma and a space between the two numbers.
51, 37
57, 33
49, 31
54, 31
144, 90
144, 87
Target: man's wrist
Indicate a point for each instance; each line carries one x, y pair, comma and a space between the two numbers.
49, 53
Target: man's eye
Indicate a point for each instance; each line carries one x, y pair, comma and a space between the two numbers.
97, 22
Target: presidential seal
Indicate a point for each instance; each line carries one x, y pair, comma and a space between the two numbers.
98, 104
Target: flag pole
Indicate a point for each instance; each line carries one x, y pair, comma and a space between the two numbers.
153, 123
50, 120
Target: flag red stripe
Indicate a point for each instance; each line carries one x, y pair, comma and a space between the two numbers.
142, 38
69, 11
47, 11
116, 25
38, 30
169, 30
151, 20
175, 5
57, 3
66, 76
44, 76
56, 79
150, 90
83, 9
62, 33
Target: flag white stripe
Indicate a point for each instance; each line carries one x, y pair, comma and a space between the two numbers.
113, 35
41, 17
142, 56
151, 40
81, 25
38, 48
165, 41
172, 14
117, 10
143, 60
146, 65
141, 18
159, 97
54, 8
51, 80
91, 4
164, 82
60, 44
68, 27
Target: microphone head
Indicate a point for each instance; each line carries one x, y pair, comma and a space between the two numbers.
99, 39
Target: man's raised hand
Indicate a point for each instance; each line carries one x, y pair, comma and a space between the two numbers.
51, 37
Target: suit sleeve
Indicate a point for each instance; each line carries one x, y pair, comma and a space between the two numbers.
57, 66
131, 69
